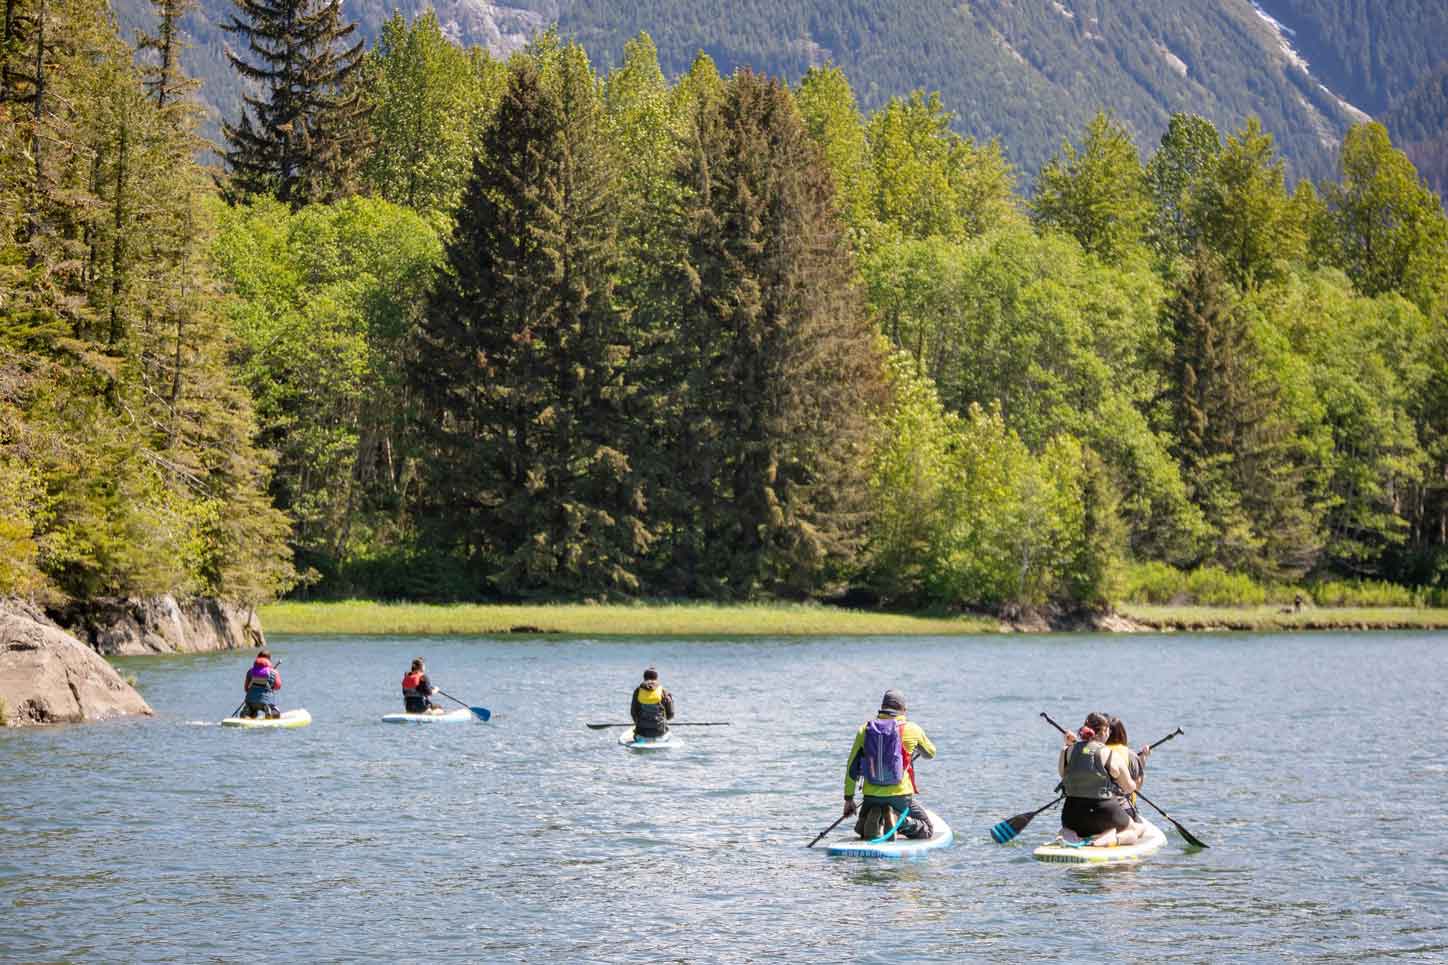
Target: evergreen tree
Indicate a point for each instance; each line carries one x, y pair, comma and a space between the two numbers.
165, 80
521, 356
1236, 447
781, 372
301, 140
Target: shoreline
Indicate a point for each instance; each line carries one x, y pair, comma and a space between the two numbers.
372, 618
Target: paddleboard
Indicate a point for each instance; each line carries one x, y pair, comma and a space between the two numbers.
900, 847
451, 717
633, 743
1063, 853
288, 719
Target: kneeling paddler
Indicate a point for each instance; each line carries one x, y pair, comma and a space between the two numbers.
652, 707
881, 758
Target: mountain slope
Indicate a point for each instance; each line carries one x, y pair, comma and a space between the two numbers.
1030, 72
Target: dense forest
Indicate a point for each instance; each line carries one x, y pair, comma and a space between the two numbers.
1023, 72
446, 326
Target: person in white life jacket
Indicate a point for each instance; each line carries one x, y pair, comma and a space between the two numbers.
1097, 783
652, 707
262, 683
416, 689
882, 760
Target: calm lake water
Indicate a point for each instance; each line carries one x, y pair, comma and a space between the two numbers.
1315, 767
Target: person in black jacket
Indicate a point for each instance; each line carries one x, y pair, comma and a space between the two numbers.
652, 707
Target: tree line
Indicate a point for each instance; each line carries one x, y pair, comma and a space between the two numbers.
452, 327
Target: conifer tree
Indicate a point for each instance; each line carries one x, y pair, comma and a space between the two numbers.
1238, 452
300, 140
520, 359
165, 80
781, 371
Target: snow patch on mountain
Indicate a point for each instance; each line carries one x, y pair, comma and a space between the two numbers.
1282, 32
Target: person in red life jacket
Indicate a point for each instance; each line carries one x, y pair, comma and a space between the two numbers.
882, 759
262, 684
652, 707
416, 689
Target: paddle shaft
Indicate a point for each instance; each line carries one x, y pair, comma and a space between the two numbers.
672, 723
827, 831
1191, 839
470, 708
1153, 746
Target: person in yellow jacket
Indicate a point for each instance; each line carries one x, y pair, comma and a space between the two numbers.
882, 760
652, 707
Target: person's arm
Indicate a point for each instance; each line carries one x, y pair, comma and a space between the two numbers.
276, 679
922, 743
425, 687
855, 749
1120, 770
633, 706
1061, 763
668, 701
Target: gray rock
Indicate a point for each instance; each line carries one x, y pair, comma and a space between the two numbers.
47, 676
129, 626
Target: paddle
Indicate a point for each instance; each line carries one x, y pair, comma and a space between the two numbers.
1006, 830
1190, 838
672, 723
481, 713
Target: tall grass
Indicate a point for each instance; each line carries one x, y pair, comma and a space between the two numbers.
1159, 584
643, 619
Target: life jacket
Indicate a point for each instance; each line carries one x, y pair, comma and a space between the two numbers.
652, 717
1086, 773
882, 760
410, 682
261, 680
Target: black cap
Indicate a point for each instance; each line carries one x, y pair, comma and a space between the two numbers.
894, 701
651, 674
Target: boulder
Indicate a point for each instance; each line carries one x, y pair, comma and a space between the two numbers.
48, 676
128, 626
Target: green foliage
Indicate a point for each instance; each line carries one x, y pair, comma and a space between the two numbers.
1187, 154
323, 303
428, 100
1384, 227
780, 376
1097, 195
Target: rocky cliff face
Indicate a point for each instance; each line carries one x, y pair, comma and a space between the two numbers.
128, 627
47, 676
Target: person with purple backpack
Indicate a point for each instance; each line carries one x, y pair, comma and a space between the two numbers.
882, 761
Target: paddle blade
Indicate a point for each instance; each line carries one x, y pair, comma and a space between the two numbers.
1003, 832
1010, 827
482, 713
1187, 836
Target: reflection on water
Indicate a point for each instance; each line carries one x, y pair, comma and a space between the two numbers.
535, 838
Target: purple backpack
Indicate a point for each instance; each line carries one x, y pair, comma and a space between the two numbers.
881, 760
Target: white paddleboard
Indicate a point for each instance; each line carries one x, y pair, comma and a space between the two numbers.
288, 719
634, 743
900, 847
1062, 853
459, 715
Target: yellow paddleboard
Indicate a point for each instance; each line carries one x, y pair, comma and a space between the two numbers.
289, 719
1063, 853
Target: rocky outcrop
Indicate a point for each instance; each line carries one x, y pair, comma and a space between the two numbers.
48, 676
1056, 619
127, 627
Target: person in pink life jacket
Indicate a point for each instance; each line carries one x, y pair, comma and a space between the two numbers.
262, 684
882, 760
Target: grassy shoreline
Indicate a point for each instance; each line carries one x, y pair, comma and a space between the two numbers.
369, 618
1270, 618
363, 617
